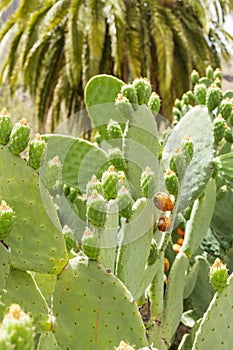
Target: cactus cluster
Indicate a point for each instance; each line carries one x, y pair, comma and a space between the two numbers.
124, 239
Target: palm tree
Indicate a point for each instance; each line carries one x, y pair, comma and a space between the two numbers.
57, 45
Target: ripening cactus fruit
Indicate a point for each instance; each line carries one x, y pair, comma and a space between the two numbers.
130, 93
154, 103
164, 223
166, 265
153, 253
187, 149
195, 76
200, 91
5, 126
148, 183
52, 174
90, 244
18, 326
96, 209
94, 184
114, 130
125, 202
218, 276
218, 128
225, 108
110, 181
36, 151
143, 89
19, 137
124, 107
116, 158
171, 182
6, 220
213, 97
163, 202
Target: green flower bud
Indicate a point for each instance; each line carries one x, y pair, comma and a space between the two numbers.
94, 184
225, 108
228, 134
114, 130
96, 210
125, 202
143, 89
213, 97
217, 74
90, 244
5, 126
209, 72
148, 183
110, 182
230, 120
130, 92
177, 164
116, 158
19, 137
36, 151
178, 104
191, 97
187, 149
185, 99
218, 276
124, 107
69, 237
200, 91
195, 76
52, 173
154, 103
6, 220
218, 128
171, 182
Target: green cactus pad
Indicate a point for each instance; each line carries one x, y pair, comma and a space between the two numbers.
5, 126
46, 284
35, 242
215, 331
80, 158
36, 150
140, 148
5, 263
200, 219
19, 137
173, 301
136, 237
198, 126
109, 237
96, 309
21, 289
100, 94
47, 341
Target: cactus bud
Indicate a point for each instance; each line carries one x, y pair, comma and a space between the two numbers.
225, 108
218, 82
130, 92
69, 237
148, 183
6, 220
19, 328
110, 182
36, 151
96, 209
125, 202
122, 181
94, 184
52, 174
191, 97
116, 158
177, 113
218, 128
177, 164
209, 72
200, 91
187, 149
143, 89
230, 120
228, 135
218, 276
153, 253
90, 244
19, 136
163, 202
195, 76
114, 130
5, 126
185, 99
217, 74
154, 103
164, 223
171, 182
178, 104
124, 107
213, 97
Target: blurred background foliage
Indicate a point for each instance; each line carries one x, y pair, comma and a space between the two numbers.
51, 48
